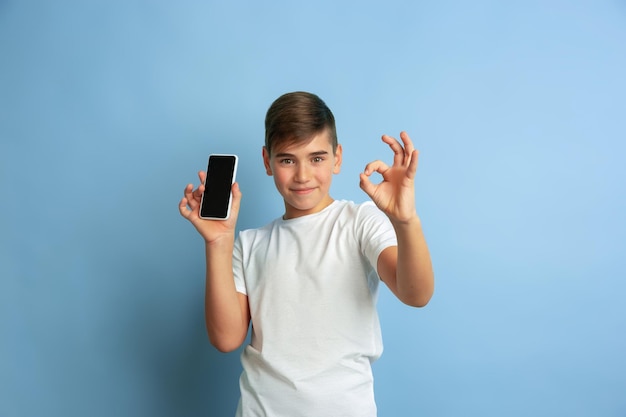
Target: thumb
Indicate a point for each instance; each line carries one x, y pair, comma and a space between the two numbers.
236, 203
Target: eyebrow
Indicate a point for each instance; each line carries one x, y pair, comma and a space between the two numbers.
289, 155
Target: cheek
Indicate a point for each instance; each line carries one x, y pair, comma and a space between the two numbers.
325, 176
281, 176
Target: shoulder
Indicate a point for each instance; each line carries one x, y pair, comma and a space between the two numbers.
350, 208
362, 212
247, 236
364, 219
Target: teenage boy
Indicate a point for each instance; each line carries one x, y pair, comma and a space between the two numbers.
308, 281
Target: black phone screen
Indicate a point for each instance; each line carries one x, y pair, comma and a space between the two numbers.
219, 180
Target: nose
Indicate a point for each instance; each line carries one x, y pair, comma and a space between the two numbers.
302, 173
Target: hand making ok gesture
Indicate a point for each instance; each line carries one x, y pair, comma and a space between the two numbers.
395, 195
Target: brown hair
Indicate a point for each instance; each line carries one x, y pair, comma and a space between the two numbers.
298, 116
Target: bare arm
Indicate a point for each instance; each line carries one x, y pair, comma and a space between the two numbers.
406, 269
227, 313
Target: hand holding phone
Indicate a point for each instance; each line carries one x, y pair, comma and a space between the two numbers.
217, 197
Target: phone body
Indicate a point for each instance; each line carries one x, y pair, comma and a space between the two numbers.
217, 197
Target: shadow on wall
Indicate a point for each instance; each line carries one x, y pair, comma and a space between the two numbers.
157, 341
149, 309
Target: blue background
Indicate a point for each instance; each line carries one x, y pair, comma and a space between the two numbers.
107, 110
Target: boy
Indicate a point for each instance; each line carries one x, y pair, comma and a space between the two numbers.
308, 280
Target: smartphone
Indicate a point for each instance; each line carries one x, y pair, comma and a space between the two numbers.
217, 197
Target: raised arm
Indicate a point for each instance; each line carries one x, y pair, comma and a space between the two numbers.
227, 313
406, 269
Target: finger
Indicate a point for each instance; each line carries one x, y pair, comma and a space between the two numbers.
188, 193
408, 143
182, 207
412, 168
202, 176
396, 147
366, 185
375, 166
192, 197
197, 194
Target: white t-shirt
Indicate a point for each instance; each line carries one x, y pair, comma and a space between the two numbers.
312, 286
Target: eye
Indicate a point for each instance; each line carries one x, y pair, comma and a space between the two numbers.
286, 161
318, 159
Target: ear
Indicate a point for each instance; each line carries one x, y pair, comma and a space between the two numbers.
338, 159
266, 161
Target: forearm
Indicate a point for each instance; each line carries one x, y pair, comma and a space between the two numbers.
414, 271
226, 319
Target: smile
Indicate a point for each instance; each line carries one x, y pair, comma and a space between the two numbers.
302, 191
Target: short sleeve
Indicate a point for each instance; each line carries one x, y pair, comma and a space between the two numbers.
374, 231
240, 282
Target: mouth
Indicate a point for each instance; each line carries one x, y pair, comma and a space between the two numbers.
302, 191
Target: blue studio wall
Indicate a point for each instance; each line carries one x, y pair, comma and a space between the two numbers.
107, 110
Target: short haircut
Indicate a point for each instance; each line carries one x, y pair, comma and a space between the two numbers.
298, 117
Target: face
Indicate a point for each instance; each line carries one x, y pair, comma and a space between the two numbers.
303, 173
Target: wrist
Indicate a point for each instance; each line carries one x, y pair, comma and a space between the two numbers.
407, 222
222, 241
